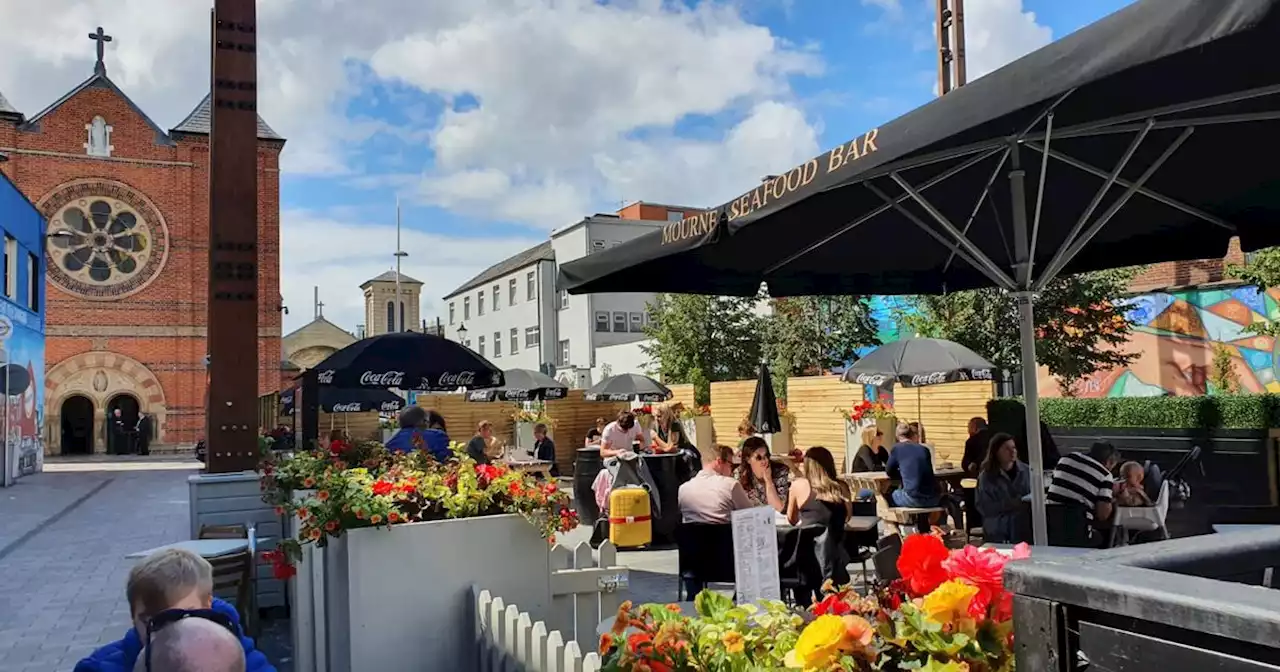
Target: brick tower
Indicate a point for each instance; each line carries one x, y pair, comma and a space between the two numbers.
127, 204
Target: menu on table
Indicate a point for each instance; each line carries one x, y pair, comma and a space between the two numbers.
755, 554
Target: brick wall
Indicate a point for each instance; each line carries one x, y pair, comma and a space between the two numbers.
162, 326
1184, 273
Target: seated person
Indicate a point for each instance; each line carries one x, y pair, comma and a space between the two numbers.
168, 579
620, 436
480, 447
977, 446
746, 430
911, 462
421, 428
822, 499
1002, 483
871, 455
766, 482
1130, 491
544, 449
713, 494
593, 434
192, 643
1082, 485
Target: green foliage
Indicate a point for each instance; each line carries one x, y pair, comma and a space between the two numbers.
703, 339
1080, 322
1251, 411
1222, 374
1263, 270
807, 335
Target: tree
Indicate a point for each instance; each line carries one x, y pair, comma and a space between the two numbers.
1081, 324
1261, 269
703, 339
807, 335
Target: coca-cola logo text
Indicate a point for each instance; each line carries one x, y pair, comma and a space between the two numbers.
981, 374
935, 378
554, 393
390, 405
479, 395
876, 379
382, 379
353, 407
459, 379
325, 377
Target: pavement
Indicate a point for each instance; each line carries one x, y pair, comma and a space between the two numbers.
64, 535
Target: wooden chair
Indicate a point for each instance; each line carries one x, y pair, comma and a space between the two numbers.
231, 575
224, 532
246, 597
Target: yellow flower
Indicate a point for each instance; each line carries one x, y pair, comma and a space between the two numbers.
733, 642
949, 602
819, 645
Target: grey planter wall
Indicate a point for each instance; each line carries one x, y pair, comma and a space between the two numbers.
401, 599
236, 499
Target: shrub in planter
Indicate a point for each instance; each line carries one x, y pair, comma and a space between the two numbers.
1250, 411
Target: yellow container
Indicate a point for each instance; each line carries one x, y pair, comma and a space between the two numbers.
629, 517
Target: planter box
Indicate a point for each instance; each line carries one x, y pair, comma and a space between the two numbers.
701, 432
236, 499
387, 433
401, 599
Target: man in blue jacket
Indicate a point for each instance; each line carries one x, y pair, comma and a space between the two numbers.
168, 579
420, 428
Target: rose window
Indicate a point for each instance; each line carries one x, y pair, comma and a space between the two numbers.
100, 242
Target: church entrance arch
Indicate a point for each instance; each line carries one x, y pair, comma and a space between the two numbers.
77, 425
110, 381
122, 423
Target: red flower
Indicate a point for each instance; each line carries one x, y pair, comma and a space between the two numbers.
514, 488
488, 471
331, 526
920, 563
639, 640
833, 605
451, 481
283, 571
550, 488
382, 488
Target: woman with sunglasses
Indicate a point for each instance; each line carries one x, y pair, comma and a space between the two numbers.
767, 483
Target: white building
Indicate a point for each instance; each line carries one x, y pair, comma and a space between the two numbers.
512, 314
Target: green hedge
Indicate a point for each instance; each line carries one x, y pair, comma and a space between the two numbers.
1248, 411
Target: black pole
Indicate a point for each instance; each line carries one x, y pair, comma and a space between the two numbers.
310, 409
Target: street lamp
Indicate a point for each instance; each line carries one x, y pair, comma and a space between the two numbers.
462, 333
399, 254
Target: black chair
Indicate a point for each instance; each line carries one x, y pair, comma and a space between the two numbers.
704, 555
885, 561
799, 568
860, 544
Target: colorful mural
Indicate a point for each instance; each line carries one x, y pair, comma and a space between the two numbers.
22, 371
1175, 335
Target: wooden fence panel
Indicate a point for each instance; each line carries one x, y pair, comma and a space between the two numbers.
813, 401
359, 426
462, 416
682, 394
944, 410
574, 416
730, 403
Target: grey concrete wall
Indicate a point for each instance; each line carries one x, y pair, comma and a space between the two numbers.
236, 499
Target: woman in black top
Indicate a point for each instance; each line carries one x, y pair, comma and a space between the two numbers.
871, 455
594, 434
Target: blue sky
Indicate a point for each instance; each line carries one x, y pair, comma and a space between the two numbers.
494, 121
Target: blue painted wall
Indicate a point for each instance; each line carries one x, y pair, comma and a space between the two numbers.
22, 332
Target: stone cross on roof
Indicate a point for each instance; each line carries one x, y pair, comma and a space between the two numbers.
102, 39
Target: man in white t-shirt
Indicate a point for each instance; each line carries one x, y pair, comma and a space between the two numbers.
713, 494
620, 435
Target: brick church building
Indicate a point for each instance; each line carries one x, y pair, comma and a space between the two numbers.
127, 204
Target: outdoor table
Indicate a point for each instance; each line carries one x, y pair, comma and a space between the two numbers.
205, 548
1237, 527
879, 482
529, 466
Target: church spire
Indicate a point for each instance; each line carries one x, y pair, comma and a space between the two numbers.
100, 67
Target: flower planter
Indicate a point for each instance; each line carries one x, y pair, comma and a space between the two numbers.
401, 599
701, 432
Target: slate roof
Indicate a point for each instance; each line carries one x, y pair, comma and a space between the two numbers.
6, 108
200, 121
100, 80
390, 276
539, 252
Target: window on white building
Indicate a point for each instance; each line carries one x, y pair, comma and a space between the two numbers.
511, 292
602, 320
564, 353
637, 323
480, 303
466, 308
530, 286
620, 322
480, 342
597, 246
515, 339
497, 298
497, 344
531, 336
451, 313
564, 299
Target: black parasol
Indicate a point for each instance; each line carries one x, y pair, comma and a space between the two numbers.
348, 400
916, 362
628, 387
522, 385
764, 405
407, 361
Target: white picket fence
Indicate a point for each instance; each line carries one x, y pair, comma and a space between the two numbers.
509, 640
586, 588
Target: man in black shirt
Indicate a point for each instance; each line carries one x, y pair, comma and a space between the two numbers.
544, 448
477, 447
976, 446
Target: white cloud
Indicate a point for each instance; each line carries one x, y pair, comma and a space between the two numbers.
998, 32
311, 259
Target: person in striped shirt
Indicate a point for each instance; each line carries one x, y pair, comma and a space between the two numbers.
1082, 480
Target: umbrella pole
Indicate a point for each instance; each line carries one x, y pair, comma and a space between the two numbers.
1031, 400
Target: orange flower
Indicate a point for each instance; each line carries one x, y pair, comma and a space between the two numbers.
673, 608
303, 513
606, 643
393, 517
375, 518
360, 514
308, 482
639, 640
331, 526
323, 495
279, 510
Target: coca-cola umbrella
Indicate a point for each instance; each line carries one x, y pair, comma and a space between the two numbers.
348, 400
522, 385
916, 362
628, 387
407, 361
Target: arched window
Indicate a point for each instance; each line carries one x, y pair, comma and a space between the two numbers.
391, 316
401, 317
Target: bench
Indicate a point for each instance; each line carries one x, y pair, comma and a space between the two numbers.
910, 515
